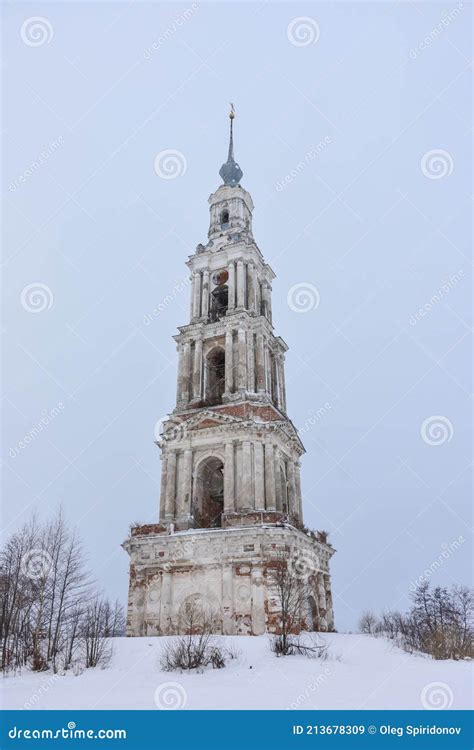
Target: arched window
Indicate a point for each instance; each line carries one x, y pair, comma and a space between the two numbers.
208, 503
219, 302
225, 219
215, 376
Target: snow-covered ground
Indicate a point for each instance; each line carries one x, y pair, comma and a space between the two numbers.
360, 672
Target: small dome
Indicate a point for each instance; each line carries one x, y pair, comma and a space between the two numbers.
231, 173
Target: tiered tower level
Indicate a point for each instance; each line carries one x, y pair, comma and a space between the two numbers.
230, 500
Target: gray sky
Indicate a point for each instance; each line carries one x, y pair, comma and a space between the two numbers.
373, 217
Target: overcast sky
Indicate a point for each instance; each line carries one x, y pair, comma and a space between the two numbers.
352, 131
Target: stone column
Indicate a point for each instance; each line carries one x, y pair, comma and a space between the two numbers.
299, 502
265, 299
240, 284
197, 374
260, 363
278, 498
250, 288
242, 360
270, 495
259, 476
322, 606
229, 362
186, 468
227, 600
231, 286
329, 605
165, 603
136, 605
197, 295
250, 363
269, 302
186, 373
205, 295
258, 296
229, 495
247, 495
191, 301
258, 602
163, 487
282, 384
266, 368
277, 381
273, 376
292, 508
179, 379
170, 486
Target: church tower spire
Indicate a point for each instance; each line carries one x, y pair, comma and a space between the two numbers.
230, 171
230, 454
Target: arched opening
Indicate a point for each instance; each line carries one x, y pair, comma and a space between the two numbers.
224, 219
215, 376
219, 302
208, 504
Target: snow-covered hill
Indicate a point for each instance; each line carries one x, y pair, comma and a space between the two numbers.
360, 672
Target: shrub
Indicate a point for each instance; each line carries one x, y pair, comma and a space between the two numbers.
439, 623
197, 648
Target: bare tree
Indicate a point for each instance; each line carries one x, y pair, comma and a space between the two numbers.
16, 597
49, 614
291, 592
367, 623
94, 632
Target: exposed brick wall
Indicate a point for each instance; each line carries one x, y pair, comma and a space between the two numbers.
149, 528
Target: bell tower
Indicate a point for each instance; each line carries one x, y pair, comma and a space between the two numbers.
230, 497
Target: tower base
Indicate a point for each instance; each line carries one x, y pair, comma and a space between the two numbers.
224, 571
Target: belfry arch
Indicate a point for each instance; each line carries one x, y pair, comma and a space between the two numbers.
208, 495
214, 376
